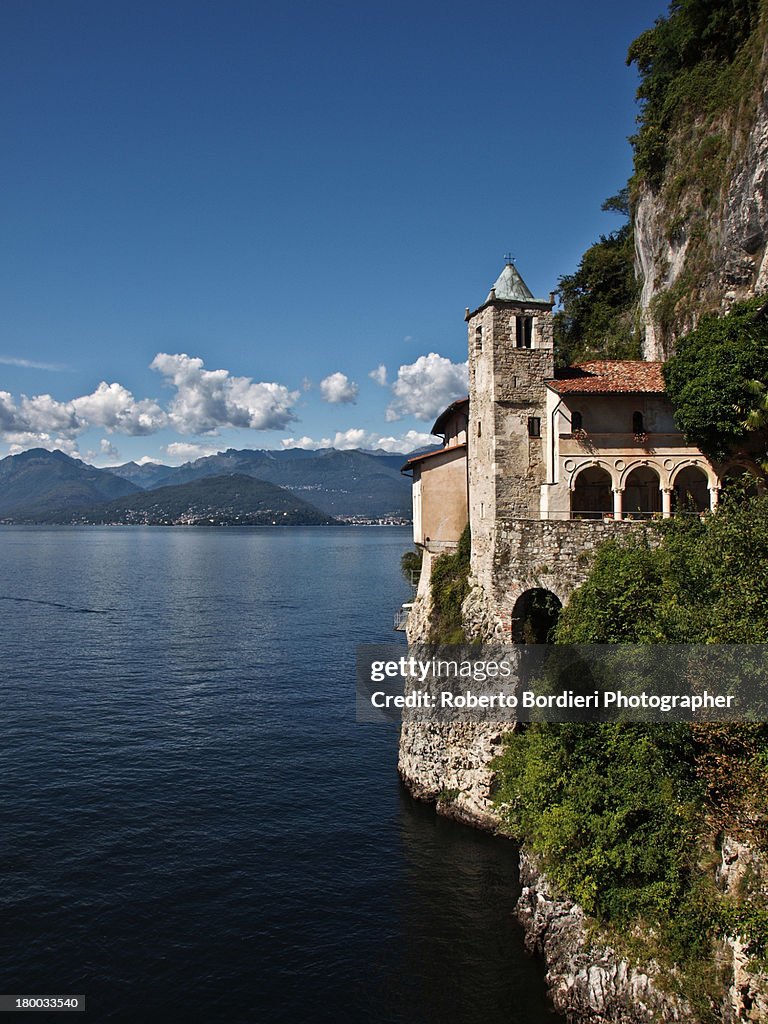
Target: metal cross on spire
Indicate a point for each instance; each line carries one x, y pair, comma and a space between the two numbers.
509, 258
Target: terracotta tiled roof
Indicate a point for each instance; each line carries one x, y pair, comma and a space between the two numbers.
609, 376
431, 455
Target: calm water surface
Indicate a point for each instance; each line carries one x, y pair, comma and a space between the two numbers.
192, 825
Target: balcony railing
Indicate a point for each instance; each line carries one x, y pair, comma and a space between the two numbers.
604, 517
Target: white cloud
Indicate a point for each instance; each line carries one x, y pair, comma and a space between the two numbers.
300, 442
207, 400
338, 389
10, 418
107, 449
31, 364
113, 407
181, 451
147, 460
204, 402
406, 442
346, 440
110, 406
356, 437
424, 388
44, 414
379, 375
21, 441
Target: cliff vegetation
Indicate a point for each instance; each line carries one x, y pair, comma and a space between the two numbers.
718, 383
694, 65
598, 302
449, 587
698, 197
628, 819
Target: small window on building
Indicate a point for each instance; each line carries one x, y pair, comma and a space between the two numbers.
577, 422
637, 423
534, 426
479, 339
479, 428
523, 331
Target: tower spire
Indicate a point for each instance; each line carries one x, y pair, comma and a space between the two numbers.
509, 285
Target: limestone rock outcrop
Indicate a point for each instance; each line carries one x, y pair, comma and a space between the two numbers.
747, 995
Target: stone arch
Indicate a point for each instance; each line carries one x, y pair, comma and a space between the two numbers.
642, 490
691, 487
592, 491
534, 616
647, 463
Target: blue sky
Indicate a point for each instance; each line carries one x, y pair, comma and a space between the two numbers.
292, 194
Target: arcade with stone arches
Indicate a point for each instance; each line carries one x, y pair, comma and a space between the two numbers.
641, 488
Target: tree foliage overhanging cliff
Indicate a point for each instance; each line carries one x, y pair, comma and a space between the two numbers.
449, 586
718, 382
699, 72
685, 63
596, 318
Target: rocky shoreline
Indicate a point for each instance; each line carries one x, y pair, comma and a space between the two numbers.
589, 981
448, 764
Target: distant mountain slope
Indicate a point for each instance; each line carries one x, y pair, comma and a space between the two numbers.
42, 480
231, 500
145, 476
340, 483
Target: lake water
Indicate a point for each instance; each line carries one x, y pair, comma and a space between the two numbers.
192, 825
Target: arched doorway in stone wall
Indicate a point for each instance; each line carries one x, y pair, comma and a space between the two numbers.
535, 616
592, 495
642, 494
690, 491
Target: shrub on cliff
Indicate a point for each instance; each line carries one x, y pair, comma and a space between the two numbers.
625, 818
611, 810
704, 582
688, 65
410, 564
449, 584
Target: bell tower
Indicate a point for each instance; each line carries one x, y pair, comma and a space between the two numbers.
510, 356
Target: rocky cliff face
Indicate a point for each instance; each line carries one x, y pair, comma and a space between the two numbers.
589, 983
701, 238
747, 995
447, 763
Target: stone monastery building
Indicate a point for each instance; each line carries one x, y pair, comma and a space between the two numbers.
545, 463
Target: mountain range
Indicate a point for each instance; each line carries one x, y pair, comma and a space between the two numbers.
340, 483
231, 500
43, 486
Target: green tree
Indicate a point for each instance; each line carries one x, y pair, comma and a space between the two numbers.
410, 564
684, 63
598, 301
701, 581
717, 381
611, 810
